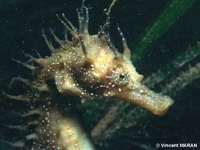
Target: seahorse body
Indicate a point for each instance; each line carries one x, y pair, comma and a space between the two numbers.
88, 67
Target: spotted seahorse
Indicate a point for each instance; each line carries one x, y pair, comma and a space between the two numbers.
86, 67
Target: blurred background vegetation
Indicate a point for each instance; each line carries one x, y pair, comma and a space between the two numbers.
163, 37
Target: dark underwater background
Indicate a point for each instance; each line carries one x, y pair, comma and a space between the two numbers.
21, 24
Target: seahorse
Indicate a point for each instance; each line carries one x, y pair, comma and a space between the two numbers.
86, 67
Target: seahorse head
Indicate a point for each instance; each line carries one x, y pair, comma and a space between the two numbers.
104, 72
89, 66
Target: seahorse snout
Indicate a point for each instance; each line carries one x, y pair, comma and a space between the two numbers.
140, 95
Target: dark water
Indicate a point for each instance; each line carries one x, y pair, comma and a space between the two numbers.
21, 24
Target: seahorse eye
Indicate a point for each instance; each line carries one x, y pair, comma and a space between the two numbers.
120, 79
122, 76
